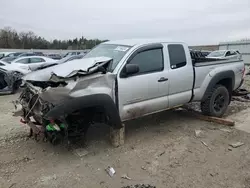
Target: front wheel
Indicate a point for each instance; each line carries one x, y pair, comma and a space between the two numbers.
217, 102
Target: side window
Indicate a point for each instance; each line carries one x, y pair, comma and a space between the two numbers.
233, 53
177, 56
36, 60
228, 53
23, 61
149, 61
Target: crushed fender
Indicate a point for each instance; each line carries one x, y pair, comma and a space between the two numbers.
49, 89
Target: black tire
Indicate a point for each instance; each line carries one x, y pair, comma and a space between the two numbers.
217, 102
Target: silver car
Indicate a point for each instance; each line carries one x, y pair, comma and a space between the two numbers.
225, 54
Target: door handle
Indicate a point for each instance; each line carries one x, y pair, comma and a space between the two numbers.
163, 79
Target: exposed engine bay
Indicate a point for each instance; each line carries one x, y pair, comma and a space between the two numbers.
57, 108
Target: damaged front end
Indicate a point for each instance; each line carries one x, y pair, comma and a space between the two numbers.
9, 81
61, 102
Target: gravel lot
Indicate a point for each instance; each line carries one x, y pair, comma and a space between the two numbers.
161, 150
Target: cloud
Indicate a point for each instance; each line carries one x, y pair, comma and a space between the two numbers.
193, 21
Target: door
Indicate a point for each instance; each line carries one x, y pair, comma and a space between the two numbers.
22, 63
35, 62
180, 76
140, 94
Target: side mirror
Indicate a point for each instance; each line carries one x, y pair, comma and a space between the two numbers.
129, 69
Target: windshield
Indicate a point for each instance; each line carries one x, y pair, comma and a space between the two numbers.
216, 54
114, 51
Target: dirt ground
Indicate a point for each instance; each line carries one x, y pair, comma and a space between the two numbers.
160, 150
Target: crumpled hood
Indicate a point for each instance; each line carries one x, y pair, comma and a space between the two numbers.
82, 86
68, 69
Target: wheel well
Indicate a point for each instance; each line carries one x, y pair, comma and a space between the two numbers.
227, 82
87, 115
88, 106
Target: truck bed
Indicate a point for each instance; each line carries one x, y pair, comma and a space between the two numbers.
199, 60
208, 62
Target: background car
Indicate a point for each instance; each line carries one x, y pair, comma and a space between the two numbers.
225, 54
4, 54
71, 54
8, 59
31, 54
2, 63
39, 53
70, 58
61, 61
13, 67
32, 62
54, 56
14, 54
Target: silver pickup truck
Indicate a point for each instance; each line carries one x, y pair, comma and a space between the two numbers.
123, 80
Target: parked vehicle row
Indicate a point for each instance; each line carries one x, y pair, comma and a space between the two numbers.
12, 70
10, 56
19, 54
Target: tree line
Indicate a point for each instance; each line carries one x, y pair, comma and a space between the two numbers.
9, 38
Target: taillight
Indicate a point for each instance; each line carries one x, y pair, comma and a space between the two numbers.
244, 72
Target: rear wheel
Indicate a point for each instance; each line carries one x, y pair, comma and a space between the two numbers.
217, 102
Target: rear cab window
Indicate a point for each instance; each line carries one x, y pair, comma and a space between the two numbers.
177, 56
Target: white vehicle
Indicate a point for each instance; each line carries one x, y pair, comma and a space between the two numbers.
13, 67
225, 54
3, 54
2, 63
32, 62
72, 53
